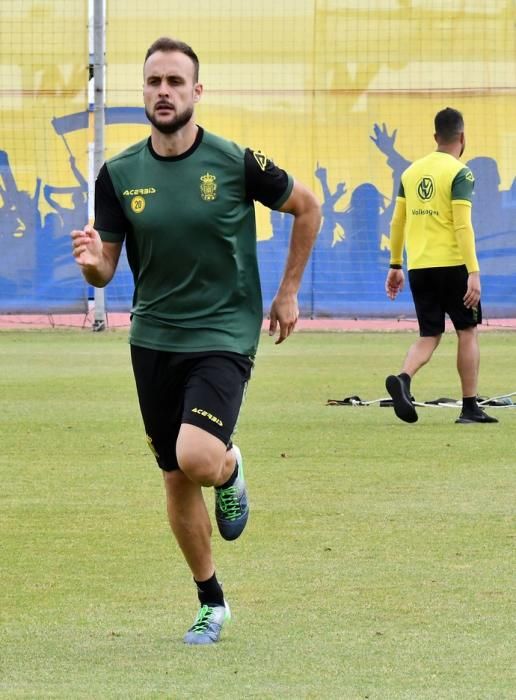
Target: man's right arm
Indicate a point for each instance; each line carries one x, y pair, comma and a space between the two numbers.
98, 259
395, 279
397, 233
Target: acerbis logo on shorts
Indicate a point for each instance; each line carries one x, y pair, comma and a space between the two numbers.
207, 414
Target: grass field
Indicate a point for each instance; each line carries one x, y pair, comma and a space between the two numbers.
378, 562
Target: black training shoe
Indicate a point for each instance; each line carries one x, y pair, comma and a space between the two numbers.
401, 399
477, 416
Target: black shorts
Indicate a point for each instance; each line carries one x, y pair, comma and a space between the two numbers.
205, 389
438, 291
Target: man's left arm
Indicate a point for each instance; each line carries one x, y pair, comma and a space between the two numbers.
265, 182
306, 210
462, 193
466, 242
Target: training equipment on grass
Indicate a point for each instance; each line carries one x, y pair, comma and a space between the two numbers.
502, 401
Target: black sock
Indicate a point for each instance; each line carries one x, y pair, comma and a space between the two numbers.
210, 591
469, 404
405, 378
231, 479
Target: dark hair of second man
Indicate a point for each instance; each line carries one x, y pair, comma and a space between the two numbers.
448, 124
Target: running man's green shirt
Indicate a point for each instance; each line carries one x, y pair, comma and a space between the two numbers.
189, 227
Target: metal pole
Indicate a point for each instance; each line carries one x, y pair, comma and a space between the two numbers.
99, 50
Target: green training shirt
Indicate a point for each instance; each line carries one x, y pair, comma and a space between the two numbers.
188, 223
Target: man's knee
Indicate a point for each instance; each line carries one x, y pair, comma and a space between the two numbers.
467, 334
427, 344
200, 455
202, 466
432, 340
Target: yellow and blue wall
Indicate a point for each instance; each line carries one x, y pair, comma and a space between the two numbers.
341, 93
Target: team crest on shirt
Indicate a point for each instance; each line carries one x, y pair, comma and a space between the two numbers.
208, 187
425, 188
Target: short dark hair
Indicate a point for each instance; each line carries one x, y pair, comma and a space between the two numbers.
165, 43
449, 123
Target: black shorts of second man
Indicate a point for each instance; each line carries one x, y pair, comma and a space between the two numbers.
205, 389
438, 291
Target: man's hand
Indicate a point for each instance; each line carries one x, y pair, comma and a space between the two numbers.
394, 283
87, 247
97, 259
285, 312
472, 296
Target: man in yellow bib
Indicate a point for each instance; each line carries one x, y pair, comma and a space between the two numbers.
432, 221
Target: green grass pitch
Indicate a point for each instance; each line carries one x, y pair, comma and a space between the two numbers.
378, 561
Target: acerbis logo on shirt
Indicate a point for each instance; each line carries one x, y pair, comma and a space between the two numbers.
139, 190
138, 201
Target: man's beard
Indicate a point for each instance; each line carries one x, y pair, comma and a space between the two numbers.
171, 127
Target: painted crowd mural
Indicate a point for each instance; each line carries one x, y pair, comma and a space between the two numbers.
345, 125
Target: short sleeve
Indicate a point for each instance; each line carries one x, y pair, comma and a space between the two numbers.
265, 181
462, 186
110, 220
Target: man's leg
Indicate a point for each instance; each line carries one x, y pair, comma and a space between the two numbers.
191, 526
206, 460
202, 460
190, 523
468, 362
420, 353
212, 399
189, 459
398, 386
202, 457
